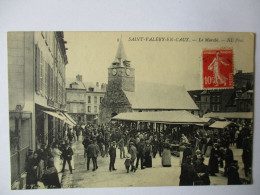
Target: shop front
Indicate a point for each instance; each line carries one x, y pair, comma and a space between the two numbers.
20, 123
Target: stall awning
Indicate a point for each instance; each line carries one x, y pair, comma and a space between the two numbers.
60, 116
221, 124
55, 114
235, 115
171, 117
70, 119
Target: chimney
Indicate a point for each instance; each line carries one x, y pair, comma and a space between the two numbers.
97, 84
79, 77
239, 71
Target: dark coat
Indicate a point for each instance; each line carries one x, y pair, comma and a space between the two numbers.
51, 179
42, 154
112, 152
186, 153
92, 151
86, 142
187, 175
213, 161
140, 147
202, 174
233, 176
229, 157
67, 153
31, 177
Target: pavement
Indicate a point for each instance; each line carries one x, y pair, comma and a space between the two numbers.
155, 176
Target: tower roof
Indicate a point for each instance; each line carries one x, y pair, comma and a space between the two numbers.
120, 54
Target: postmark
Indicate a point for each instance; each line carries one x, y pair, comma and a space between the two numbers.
217, 69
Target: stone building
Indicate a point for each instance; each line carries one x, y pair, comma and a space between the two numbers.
84, 99
36, 81
238, 99
125, 95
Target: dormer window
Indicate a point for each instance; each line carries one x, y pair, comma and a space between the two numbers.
91, 89
74, 85
126, 63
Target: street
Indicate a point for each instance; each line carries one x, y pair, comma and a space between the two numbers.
155, 176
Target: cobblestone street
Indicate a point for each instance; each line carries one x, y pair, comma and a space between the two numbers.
155, 176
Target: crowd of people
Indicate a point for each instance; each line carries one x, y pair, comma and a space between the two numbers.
47, 162
141, 146
138, 148
216, 146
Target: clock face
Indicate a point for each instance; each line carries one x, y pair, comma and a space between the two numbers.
114, 71
128, 72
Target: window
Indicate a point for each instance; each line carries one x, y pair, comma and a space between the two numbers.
213, 107
46, 79
218, 98
218, 107
89, 108
101, 98
95, 99
74, 108
89, 99
81, 97
91, 89
37, 68
95, 109
41, 73
213, 98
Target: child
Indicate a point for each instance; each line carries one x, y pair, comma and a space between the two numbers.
127, 163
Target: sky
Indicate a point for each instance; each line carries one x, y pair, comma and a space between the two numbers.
158, 57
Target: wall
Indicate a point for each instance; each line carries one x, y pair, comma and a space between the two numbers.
16, 69
113, 102
92, 104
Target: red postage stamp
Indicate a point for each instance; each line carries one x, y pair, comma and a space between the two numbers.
217, 69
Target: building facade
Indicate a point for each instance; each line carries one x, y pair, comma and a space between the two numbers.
84, 99
238, 99
36, 78
124, 94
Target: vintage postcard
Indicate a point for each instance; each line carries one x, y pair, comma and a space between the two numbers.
130, 109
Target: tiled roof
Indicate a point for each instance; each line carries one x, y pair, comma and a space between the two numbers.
85, 85
160, 96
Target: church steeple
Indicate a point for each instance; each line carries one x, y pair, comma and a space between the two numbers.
121, 76
121, 58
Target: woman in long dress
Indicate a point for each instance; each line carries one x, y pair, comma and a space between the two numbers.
148, 154
166, 156
56, 153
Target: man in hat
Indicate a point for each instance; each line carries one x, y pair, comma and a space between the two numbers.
187, 153
112, 154
67, 156
229, 158
140, 153
213, 160
92, 153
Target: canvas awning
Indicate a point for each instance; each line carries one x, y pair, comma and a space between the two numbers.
168, 117
235, 115
221, 124
55, 114
70, 119
60, 116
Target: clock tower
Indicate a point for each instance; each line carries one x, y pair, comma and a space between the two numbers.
121, 79
121, 76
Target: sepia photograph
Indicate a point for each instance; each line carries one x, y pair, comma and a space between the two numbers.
101, 109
